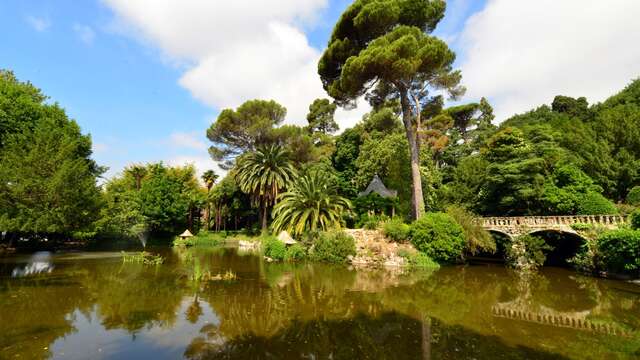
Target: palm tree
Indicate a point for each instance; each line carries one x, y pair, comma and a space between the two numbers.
263, 174
138, 172
209, 177
311, 204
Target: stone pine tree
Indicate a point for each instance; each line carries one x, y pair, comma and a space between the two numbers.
321, 116
382, 49
243, 129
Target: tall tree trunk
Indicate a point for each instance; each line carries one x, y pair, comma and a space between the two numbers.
426, 337
417, 198
190, 219
264, 216
218, 217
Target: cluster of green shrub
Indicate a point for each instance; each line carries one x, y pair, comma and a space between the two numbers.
203, 238
417, 259
326, 246
442, 236
616, 251
143, 257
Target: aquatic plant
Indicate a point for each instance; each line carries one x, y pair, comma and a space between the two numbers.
142, 257
416, 259
203, 238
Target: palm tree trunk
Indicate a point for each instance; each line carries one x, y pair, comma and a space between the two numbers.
264, 215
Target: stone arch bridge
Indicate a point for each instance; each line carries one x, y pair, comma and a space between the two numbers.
523, 225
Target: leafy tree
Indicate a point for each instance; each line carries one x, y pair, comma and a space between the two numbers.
311, 204
228, 201
263, 174
321, 116
387, 43
466, 187
633, 198
241, 130
138, 172
344, 160
167, 199
21, 105
121, 214
569, 191
515, 175
388, 157
573, 107
47, 178
303, 148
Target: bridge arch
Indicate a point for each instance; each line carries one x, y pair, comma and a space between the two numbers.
566, 245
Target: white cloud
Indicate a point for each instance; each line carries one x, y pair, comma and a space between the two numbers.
100, 147
235, 50
521, 53
188, 140
85, 33
38, 24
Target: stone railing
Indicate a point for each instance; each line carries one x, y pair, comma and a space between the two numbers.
552, 221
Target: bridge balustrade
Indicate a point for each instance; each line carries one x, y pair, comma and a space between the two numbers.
550, 221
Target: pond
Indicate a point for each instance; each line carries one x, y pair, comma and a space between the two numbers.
92, 305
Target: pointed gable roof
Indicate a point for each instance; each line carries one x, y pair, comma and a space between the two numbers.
378, 187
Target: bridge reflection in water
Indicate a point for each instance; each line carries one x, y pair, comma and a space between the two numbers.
552, 317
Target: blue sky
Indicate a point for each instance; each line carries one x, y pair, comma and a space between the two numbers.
139, 78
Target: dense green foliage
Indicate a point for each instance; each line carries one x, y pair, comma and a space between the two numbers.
396, 230
295, 252
439, 236
634, 220
419, 260
167, 202
47, 177
320, 117
633, 197
527, 252
619, 250
311, 204
477, 238
333, 247
263, 174
273, 248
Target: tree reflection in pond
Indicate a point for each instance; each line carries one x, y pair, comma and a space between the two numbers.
388, 336
132, 311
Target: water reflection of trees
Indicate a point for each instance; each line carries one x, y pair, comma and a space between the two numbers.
389, 335
34, 313
456, 296
292, 308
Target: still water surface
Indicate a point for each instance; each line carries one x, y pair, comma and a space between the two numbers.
93, 306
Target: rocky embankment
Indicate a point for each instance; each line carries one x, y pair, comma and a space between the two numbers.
374, 249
